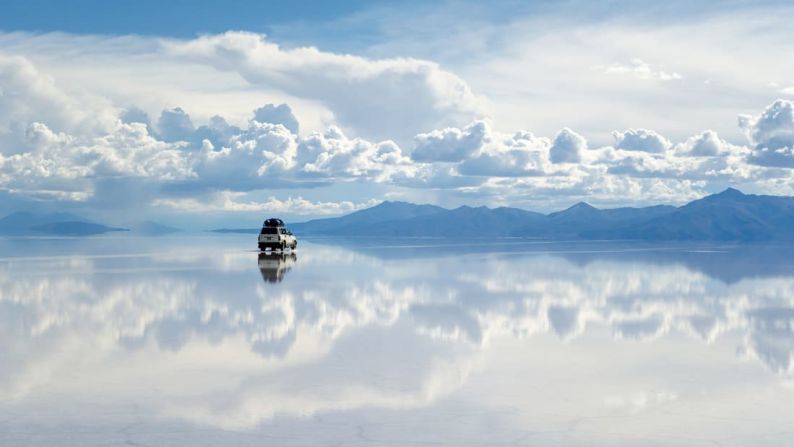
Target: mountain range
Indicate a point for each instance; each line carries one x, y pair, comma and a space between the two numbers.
68, 224
726, 216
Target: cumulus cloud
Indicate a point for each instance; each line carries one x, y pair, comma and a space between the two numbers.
773, 128
252, 160
706, 144
451, 144
567, 147
381, 99
66, 167
136, 115
772, 134
277, 114
641, 140
217, 131
520, 154
175, 125
721, 169
27, 95
333, 155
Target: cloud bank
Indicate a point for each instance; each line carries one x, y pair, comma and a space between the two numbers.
64, 146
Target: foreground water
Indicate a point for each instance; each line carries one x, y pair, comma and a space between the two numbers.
191, 341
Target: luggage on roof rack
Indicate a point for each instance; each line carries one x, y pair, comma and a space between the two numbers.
273, 222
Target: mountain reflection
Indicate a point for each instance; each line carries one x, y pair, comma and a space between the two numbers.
274, 266
729, 262
342, 317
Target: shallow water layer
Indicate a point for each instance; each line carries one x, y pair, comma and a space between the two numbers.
203, 341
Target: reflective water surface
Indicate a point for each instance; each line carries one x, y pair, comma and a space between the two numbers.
202, 341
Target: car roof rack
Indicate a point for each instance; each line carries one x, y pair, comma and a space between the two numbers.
273, 222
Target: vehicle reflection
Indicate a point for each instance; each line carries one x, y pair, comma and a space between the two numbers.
274, 265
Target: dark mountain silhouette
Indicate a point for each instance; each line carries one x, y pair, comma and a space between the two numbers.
727, 216
422, 221
582, 218
370, 218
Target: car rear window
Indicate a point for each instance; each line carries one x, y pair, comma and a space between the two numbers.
268, 230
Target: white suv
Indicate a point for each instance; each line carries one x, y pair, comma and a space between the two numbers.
275, 236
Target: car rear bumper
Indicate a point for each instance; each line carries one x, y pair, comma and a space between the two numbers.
272, 246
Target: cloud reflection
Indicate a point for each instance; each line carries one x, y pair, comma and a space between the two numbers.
343, 330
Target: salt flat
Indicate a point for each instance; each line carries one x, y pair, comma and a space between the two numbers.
200, 340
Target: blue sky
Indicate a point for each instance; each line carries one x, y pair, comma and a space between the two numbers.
186, 18
220, 112
177, 18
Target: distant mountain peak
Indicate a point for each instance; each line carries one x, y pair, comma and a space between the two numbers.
581, 206
392, 203
576, 211
388, 205
731, 192
467, 207
578, 207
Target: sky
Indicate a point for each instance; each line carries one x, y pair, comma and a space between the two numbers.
219, 113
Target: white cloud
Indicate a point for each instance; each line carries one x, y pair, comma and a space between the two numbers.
333, 155
236, 202
451, 144
27, 95
567, 147
517, 155
772, 134
706, 144
641, 140
277, 114
381, 99
67, 167
542, 74
175, 125
640, 69
254, 159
